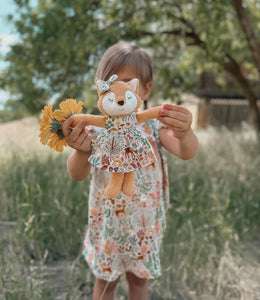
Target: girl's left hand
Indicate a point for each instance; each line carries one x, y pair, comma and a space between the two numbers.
177, 118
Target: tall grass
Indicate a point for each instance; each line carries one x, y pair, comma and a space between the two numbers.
215, 201
214, 206
50, 209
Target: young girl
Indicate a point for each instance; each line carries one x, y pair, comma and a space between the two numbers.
124, 234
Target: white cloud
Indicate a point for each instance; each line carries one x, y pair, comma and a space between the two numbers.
7, 40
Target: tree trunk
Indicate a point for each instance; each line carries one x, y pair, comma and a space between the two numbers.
231, 66
248, 31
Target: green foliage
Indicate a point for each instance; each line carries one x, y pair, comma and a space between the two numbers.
57, 53
62, 41
10, 115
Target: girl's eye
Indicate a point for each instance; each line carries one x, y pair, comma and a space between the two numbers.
129, 97
110, 99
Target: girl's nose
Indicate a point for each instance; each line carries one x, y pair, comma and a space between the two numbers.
121, 102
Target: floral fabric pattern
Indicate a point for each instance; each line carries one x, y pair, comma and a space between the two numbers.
125, 233
121, 147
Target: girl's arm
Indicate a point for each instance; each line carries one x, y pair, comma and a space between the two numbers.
79, 139
148, 114
185, 148
78, 165
178, 137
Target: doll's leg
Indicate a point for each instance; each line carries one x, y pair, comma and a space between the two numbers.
128, 186
115, 184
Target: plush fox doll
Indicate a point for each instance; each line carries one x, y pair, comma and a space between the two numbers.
121, 148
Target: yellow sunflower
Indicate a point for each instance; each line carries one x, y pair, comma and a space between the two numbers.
51, 123
68, 108
57, 143
45, 127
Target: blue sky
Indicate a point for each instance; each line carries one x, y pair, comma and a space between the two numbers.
6, 7
7, 32
8, 35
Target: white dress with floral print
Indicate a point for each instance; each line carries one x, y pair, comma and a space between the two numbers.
125, 233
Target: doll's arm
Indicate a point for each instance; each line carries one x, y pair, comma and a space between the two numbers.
99, 121
151, 113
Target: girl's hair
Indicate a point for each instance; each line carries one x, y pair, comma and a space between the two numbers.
122, 54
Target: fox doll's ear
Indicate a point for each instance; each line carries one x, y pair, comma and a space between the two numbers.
99, 84
134, 84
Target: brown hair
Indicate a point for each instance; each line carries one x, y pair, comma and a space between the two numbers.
122, 54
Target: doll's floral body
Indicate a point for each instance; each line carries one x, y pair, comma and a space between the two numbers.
122, 147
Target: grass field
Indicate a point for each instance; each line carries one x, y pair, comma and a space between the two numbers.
210, 248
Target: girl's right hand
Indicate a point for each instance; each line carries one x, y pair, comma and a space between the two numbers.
79, 137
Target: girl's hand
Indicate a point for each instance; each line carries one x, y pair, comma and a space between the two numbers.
177, 118
79, 137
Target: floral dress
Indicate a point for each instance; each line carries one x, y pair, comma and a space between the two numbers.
122, 147
125, 233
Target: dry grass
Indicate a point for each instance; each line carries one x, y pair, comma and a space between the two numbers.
23, 136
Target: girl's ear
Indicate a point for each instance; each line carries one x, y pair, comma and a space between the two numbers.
146, 91
134, 84
99, 84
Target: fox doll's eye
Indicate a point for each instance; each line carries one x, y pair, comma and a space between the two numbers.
110, 97
129, 96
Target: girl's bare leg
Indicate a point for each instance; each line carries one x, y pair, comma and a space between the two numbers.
138, 287
128, 186
115, 184
104, 290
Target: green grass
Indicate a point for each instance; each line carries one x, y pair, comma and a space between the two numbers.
47, 205
215, 205
214, 209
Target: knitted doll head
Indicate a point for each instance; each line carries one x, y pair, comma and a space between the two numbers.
118, 99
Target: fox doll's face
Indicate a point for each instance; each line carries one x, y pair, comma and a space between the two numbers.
120, 100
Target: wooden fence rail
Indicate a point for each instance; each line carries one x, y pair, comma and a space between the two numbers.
217, 112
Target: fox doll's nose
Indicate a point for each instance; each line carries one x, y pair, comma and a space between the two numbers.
121, 102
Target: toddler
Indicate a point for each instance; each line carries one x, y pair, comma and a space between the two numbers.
124, 233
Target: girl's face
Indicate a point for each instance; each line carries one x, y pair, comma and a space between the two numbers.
128, 73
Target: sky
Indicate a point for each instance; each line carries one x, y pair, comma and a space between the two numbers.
8, 35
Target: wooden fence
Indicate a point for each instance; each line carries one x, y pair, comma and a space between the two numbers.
213, 112
217, 112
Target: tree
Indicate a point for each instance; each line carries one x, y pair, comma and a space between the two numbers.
60, 42
246, 26
211, 26
63, 40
